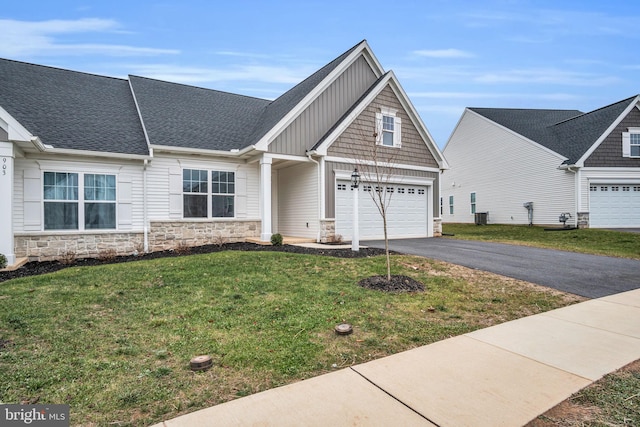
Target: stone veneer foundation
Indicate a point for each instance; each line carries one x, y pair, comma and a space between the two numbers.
163, 235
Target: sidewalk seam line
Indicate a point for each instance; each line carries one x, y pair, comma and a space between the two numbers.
394, 398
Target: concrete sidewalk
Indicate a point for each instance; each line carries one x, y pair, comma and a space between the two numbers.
505, 375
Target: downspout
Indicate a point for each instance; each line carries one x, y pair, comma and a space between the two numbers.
320, 194
145, 209
578, 194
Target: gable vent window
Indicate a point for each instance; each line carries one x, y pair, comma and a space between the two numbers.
388, 128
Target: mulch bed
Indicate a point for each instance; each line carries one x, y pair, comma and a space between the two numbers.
397, 283
35, 268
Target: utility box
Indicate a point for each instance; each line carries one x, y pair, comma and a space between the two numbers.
481, 218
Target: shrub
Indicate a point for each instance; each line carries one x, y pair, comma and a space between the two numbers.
3, 261
276, 239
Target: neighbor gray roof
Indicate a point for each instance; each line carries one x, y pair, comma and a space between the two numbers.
68, 109
569, 133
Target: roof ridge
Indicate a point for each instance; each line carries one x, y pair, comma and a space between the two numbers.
197, 87
597, 109
51, 67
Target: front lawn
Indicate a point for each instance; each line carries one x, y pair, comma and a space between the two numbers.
592, 240
114, 341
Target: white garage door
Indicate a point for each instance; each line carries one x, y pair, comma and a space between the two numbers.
614, 205
407, 214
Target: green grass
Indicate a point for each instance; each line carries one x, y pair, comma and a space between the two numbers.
114, 341
592, 240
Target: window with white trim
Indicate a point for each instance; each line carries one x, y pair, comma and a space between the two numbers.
450, 205
631, 143
388, 128
79, 201
473, 202
201, 200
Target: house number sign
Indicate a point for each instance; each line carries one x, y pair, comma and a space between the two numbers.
4, 166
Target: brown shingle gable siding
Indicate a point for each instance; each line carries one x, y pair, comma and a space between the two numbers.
609, 152
352, 142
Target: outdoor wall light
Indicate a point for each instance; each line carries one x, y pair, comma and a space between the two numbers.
355, 178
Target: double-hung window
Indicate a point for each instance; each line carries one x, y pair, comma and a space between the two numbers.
450, 205
388, 127
631, 143
208, 194
75, 201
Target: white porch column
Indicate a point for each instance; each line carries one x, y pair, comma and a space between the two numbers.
265, 198
6, 208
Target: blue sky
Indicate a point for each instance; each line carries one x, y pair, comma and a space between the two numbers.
447, 55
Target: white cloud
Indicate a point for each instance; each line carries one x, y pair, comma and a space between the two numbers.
545, 76
493, 95
444, 53
28, 38
197, 75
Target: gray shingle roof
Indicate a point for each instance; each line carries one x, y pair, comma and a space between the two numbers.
569, 133
191, 117
72, 110
81, 111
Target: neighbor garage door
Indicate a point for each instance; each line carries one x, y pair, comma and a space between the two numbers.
614, 205
407, 214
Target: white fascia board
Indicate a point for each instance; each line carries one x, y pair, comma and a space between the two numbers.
87, 153
610, 129
15, 130
417, 121
289, 157
522, 137
363, 49
455, 129
201, 151
391, 179
356, 162
364, 103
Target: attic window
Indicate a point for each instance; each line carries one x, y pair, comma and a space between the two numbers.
388, 128
631, 143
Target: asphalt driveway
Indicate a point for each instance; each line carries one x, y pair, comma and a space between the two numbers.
590, 276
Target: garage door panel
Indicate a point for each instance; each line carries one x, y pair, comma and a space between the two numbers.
407, 211
614, 205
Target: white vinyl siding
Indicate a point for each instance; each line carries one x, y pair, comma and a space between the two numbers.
28, 206
505, 171
164, 193
298, 201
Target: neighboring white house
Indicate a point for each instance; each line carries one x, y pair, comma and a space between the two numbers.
93, 164
583, 165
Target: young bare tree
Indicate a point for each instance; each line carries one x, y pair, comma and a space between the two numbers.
375, 162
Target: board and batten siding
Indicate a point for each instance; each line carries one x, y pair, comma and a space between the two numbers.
164, 185
324, 112
504, 171
298, 201
28, 191
330, 184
